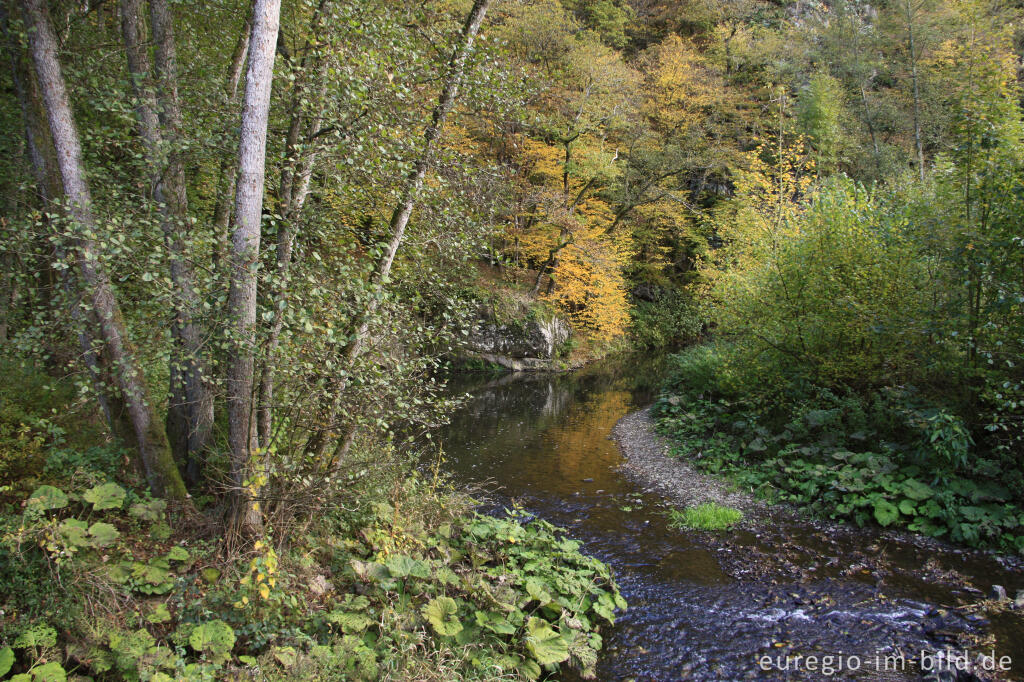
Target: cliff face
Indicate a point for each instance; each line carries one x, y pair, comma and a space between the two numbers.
530, 345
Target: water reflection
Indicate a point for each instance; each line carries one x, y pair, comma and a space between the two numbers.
708, 607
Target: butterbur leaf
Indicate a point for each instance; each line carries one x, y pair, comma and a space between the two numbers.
148, 511
6, 660
48, 497
886, 513
178, 553
74, 532
546, 645
40, 636
916, 490
160, 614
49, 672
536, 588
350, 623
529, 669
495, 622
401, 566
215, 639
440, 613
102, 534
106, 496
285, 655
371, 570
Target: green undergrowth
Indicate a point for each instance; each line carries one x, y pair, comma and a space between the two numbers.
111, 592
394, 577
886, 458
707, 516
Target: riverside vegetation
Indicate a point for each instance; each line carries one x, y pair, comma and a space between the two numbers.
243, 242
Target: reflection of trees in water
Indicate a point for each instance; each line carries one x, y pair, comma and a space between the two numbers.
558, 399
583, 435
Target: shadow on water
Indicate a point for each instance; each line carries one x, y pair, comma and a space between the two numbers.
709, 607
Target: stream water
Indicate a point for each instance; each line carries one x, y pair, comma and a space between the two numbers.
713, 606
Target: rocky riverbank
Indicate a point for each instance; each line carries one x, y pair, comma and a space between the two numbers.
648, 462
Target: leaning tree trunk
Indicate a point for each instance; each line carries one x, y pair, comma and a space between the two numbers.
245, 249
154, 451
43, 161
190, 408
318, 441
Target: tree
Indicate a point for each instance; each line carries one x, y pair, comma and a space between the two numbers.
456, 66
246, 473
151, 440
190, 409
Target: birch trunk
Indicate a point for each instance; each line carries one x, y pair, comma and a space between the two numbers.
245, 247
225, 177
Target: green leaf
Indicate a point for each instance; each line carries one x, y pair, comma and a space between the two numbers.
102, 534
916, 490
537, 589
495, 622
49, 672
106, 496
148, 511
546, 645
401, 566
74, 532
40, 636
350, 623
210, 575
285, 655
440, 613
177, 553
160, 614
48, 497
907, 507
529, 669
886, 513
6, 660
215, 638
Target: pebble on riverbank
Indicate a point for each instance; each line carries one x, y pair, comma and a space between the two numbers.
647, 460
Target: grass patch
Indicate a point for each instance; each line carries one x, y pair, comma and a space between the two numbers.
707, 516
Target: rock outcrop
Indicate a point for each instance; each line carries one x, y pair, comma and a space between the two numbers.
531, 345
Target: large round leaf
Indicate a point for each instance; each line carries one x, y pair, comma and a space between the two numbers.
440, 613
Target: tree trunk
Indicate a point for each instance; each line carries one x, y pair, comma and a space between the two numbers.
318, 442
911, 45
226, 178
154, 451
190, 407
245, 249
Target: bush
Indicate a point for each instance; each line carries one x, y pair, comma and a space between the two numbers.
672, 319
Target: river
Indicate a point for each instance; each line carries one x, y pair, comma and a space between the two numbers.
714, 606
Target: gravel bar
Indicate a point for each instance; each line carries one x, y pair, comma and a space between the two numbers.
648, 462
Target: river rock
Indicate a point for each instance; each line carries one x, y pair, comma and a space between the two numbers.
999, 593
1018, 601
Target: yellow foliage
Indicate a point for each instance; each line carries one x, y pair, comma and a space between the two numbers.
591, 288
